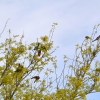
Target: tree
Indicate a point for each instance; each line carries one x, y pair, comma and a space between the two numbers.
82, 77
19, 61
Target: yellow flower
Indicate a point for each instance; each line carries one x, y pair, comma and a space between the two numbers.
44, 38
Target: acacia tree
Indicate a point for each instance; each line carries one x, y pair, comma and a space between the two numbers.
19, 61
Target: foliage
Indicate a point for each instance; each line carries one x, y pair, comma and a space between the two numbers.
20, 61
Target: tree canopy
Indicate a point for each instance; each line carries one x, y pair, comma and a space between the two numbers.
20, 61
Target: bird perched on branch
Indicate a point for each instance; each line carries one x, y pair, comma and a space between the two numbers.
36, 78
39, 52
37, 46
19, 68
96, 38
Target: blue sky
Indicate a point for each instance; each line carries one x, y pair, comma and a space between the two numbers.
75, 18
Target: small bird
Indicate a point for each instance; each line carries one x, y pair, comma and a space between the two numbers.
39, 52
96, 38
37, 47
36, 78
19, 68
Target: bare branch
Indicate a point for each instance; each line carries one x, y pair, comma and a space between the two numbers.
5, 26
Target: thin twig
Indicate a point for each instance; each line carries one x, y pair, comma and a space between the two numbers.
5, 26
